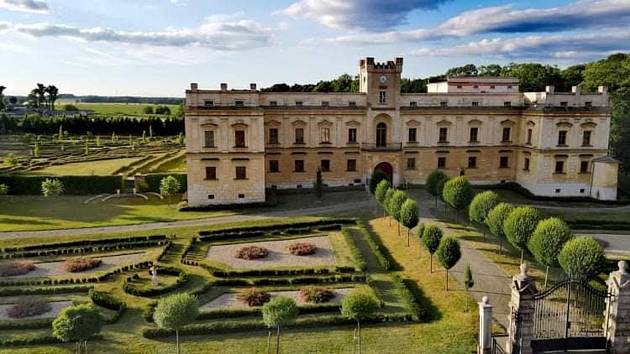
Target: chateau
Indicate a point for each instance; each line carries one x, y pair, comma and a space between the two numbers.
241, 142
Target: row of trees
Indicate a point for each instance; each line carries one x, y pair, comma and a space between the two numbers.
43, 97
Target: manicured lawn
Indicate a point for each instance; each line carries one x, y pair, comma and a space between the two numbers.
98, 168
120, 108
21, 213
176, 165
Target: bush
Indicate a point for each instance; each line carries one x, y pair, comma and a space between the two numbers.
316, 294
520, 224
548, 239
251, 252
52, 187
457, 192
28, 308
4, 189
302, 249
581, 257
481, 206
496, 217
434, 181
76, 265
253, 297
11, 269
154, 180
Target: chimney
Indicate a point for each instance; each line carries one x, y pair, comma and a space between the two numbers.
223, 86
575, 90
549, 89
193, 86
602, 89
252, 86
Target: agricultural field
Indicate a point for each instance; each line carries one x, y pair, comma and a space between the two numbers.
131, 109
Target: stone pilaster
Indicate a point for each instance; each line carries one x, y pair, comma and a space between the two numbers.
618, 309
521, 323
485, 327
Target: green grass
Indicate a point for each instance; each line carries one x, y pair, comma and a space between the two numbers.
178, 164
97, 168
22, 213
119, 108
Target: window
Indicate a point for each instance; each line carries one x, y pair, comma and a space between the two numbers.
472, 161
208, 103
586, 138
588, 104
210, 196
475, 104
412, 135
583, 166
324, 133
239, 103
459, 86
299, 135
299, 166
273, 136
562, 137
559, 167
298, 103
476, 86
526, 164
239, 138
325, 165
211, 172
529, 136
443, 135
564, 104
507, 104
504, 162
208, 138
492, 87
509, 86
413, 104
273, 103
382, 97
506, 135
381, 134
274, 166
352, 103
325, 103
411, 163
241, 172
443, 104
241, 196
474, 132
351, 165
352, 135
441, 163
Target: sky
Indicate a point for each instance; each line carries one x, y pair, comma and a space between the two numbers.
158, 47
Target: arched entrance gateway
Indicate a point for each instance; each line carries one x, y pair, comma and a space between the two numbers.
387, 169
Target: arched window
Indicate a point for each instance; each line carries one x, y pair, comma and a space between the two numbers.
381, 134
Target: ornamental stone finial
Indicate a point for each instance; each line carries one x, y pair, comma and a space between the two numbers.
485, 301
623, 267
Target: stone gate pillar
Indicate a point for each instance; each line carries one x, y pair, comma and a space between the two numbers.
521, 322
485, 327
618, 310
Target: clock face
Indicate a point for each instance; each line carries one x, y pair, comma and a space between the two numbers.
383, 79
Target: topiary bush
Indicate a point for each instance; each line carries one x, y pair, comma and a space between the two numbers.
519, 226
4, 189
375, 179
11, 269
52, 187
448, 253
481, 206
431, 237
253, 297
28, 308
251, 252
581, 257
434, 180
302, 249
457, 192
496, 217
76, 265
548, 239
316, 294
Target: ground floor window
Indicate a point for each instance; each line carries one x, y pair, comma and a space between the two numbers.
472, 161
325, 165
298, 166
504, 162
411, 163
274, 166
211, 172
441, 162
241, 172
351, 165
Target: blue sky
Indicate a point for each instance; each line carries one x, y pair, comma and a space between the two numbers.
157, 47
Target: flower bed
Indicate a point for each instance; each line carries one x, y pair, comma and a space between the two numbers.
254, 297
316, 294
76, 265
251, 252
28, 308
302, 249
11, 269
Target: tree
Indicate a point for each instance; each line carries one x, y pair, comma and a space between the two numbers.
547, 241
519, 226
278, 312
169, 186
359, 305
375, 179
147, 110
469, 282
77, 324
533, 77
466, 70
380, 192
409, 216
481, 206
319, 184
2, 105
39, 93
581, 257
52, 92
176, 311
431, 237
394, 206
458, 193
448, 254
496, 217
388, 196
434, 181
52, 187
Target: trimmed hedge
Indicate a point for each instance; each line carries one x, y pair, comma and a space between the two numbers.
384, 258
412, 303
4, 291
517, 188
276, 229
357, 256
73, 185
86, 243
12, 342
182, 279
26, 324
339, 278
586, 224
153, 181
275, 272
254, 311
107, 301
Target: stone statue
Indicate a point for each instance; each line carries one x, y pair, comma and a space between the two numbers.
154, 277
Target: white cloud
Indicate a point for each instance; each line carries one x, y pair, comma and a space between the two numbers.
33, 6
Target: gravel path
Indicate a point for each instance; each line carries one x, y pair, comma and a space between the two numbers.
48, 269
56, 307
278, 255
230, 299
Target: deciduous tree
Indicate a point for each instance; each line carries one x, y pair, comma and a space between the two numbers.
431, 237
448, 253
519, 226
77, 324
278, 312
409, 216
359, 305
547, 241
581, 257
176, 311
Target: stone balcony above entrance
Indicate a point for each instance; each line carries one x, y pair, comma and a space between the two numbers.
381, 147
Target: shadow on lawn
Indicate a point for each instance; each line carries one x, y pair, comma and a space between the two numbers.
430, 311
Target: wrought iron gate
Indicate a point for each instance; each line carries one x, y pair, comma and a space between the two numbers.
570, 315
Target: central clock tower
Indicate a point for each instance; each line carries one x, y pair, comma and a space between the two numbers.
380, 81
